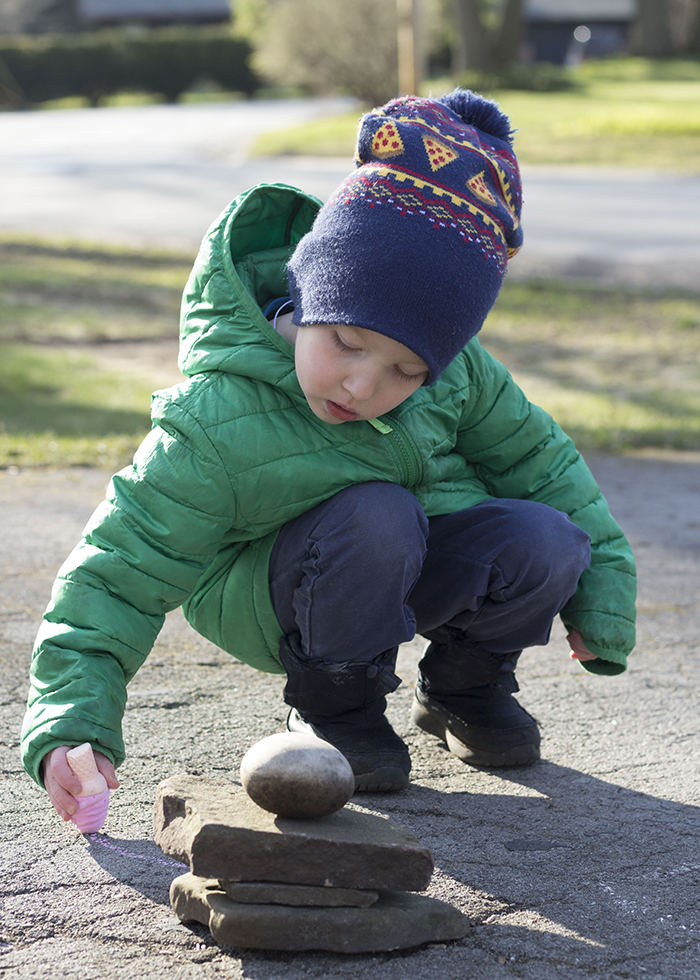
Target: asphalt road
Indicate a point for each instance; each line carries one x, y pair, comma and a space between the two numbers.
585, 864
161, 174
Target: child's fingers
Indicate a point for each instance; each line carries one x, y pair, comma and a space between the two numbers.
579, 650
582, 656
61, 783
57, 771
63, 803
106, 767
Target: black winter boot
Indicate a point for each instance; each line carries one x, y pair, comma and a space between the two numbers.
344, 704
465, 697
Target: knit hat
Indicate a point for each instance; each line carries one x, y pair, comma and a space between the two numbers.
414, 243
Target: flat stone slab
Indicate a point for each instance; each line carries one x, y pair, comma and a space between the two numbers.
398, 920
276, 893
217, 829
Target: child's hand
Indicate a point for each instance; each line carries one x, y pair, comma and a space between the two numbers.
63, 786
579, 650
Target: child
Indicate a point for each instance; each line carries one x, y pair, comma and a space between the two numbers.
345, 467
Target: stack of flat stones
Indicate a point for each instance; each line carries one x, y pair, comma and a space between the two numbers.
344, 882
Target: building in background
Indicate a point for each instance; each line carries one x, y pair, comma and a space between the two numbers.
562, 30
152, 13
65, 16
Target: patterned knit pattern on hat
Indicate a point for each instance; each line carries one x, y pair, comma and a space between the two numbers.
414, 243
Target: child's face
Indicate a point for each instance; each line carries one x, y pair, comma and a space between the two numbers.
349, 373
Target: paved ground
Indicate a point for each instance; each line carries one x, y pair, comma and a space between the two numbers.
161, 174
587, 863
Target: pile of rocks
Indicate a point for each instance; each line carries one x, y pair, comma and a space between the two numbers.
344, 882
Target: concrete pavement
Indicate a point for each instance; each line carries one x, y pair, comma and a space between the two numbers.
587, 863
160, 175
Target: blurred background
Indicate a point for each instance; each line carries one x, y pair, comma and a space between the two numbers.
127, 125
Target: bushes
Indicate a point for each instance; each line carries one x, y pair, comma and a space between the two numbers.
170, 63
540, 77
165, 62
326, 46
46, 67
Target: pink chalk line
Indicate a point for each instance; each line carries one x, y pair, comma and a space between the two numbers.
99, 839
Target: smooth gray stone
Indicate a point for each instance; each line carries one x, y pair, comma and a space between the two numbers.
217, 829
398, 920
275, 893
295, 774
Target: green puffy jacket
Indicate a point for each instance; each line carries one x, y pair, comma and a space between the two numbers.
235, 452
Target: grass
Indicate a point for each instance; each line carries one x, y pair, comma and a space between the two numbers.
71, 292
622, 112
84, 331
89, 332
619, 369
133, 98
60, 407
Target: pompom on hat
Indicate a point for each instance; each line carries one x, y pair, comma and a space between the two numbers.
415, 242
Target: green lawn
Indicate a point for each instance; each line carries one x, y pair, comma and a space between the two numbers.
623, 112
619, 369
68, 313
63, 291
89, 332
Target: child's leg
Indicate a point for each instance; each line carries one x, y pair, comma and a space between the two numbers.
494, 578
339, 579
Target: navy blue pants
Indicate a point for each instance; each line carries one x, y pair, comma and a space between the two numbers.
367, 570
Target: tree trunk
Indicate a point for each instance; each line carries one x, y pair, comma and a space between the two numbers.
694, 40
506, 50
475, 47
651, 34
410, 46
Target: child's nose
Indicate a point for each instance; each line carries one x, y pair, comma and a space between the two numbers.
361, 385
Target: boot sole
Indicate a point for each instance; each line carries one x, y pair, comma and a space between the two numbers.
436, 721
383, 779
387, 779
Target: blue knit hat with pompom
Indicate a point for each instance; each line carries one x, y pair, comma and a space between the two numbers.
414, 243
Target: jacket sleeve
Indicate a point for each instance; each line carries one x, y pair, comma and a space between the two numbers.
520, 452
141, 555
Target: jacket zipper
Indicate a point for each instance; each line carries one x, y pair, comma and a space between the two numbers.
404, 448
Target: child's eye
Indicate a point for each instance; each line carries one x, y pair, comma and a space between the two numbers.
407, 377
338, 341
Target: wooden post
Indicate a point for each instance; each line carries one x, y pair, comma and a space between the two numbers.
410, 46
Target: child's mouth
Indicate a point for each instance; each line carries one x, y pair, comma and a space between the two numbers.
338, 412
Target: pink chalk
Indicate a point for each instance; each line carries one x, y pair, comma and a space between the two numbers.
92, 812
93, 799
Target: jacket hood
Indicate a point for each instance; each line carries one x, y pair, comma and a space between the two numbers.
240, 268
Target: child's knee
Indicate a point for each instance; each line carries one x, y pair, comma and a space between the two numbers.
370, 530
568, 546
386, 515
558, 550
